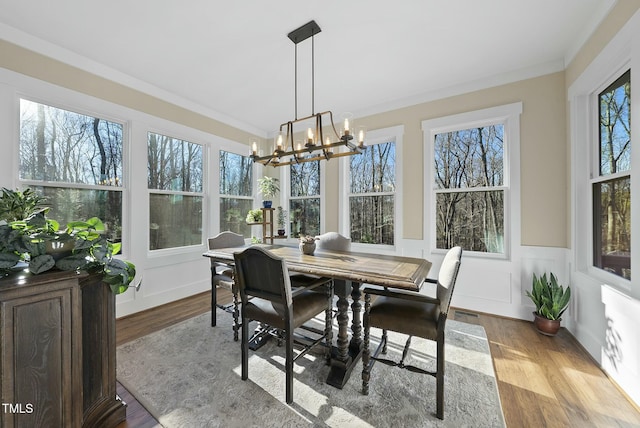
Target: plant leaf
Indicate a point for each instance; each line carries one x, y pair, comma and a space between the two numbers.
73, 262
41, 264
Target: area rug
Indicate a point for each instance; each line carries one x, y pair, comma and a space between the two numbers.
188, 375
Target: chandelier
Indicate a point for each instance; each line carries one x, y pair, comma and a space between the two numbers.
313, 145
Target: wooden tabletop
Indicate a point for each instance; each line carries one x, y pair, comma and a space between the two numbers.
390, 271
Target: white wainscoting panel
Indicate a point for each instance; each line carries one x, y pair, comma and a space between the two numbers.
621, 349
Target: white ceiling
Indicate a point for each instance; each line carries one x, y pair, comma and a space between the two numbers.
232, 60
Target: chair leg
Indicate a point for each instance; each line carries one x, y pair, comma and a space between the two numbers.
288, 367
245, 348
440, 377
366, 352
236, 315
214, 299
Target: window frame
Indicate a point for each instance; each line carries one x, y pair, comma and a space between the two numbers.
592, 140
202, 194
377, 136
80, 108
236, 149
286, 198
509, 116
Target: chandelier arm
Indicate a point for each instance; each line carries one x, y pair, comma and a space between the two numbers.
333, 125
319, 132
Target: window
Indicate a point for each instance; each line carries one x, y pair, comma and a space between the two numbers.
75, 161
469, 187
612, 183
175, 177
372, 194
304, 200
471, 164
236, 194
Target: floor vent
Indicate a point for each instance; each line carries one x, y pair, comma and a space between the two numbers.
468, 314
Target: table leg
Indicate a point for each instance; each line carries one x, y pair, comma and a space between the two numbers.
355, 345
346, 354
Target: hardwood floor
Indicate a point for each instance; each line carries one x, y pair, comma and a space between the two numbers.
543, 381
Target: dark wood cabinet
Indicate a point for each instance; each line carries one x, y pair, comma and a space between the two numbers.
57, 337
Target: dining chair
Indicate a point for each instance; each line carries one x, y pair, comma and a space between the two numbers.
264, 277
413, 314
327, 241
222, 277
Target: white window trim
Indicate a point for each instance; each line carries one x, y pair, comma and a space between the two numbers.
53, 96
509, 116
583, 100
214, 181
377, 136
285, 198
193, 139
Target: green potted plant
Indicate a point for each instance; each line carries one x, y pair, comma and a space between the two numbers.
282, 218
551, 300
18, 205
37, 242
254, 216
268, 187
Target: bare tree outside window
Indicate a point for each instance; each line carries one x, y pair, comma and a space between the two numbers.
372, 185
175, 178
469, 179
304, 200
612, 188
75, 161
236, 193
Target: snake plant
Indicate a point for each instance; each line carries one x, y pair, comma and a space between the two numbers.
551, 299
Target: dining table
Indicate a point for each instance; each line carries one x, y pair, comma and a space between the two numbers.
349, 270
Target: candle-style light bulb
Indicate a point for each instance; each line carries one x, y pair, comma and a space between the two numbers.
328, 148
346, 127
309, 137
254, 148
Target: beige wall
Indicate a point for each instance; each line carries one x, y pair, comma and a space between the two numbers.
544, 153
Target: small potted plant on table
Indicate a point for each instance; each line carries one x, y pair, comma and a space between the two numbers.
551, 300
307, 244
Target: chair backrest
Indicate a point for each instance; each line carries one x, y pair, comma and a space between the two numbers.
333, 241
447, 277
262, 274
226, 239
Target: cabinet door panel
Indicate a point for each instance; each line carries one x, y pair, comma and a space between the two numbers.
37, 359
